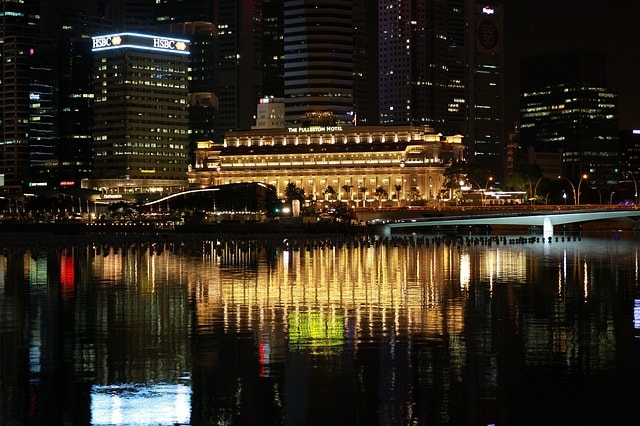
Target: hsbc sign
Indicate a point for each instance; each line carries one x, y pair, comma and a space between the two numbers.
140, 41
106, 41
165, 43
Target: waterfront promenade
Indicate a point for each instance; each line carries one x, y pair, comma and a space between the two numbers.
367, 221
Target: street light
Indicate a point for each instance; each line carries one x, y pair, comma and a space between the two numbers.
490, 179
483, 192
611, 198
573, 188
584, 176
532, 194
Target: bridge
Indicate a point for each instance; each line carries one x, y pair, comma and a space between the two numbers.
546, 218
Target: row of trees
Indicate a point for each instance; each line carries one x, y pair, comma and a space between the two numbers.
539, 189
293, 192
528, 179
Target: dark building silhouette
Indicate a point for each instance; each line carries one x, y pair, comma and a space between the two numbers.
130, 15
566, 108
273, 48
318, 59
20, 29
630, 163
441, 64
485, 137
69, 27
240, 62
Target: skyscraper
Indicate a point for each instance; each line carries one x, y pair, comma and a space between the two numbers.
69, 27
318, 59
485, 134
566, 108
273, 48
141, 120
239, 25
20, 30
440, 63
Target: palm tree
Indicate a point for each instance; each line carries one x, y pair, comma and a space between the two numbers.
293, 192
347, 189
363, 190
381, 193
330, 191
398, 188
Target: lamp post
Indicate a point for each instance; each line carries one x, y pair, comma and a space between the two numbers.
573, 188
532, 194
483, 192
611, 198
584, 176
486, 186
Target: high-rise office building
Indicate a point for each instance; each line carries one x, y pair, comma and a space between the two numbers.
240, 61
69, 26
440, 64
140, 116
412, 61
20, 31
318, 59
566, 108
485, 138
130, 15
195, 21
43, 116
273, 48
204, 105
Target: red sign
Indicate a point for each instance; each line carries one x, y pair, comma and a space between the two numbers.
488, 34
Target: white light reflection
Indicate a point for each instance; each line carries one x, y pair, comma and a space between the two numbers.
465, 270
138, 404
585, 271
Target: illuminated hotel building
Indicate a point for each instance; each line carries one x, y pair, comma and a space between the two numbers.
141, 115
406, 161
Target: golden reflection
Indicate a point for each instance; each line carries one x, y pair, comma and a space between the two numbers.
320, 298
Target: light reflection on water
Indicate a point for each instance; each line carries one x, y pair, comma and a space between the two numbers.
425, 330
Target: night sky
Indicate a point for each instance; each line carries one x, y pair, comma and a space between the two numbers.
545, 26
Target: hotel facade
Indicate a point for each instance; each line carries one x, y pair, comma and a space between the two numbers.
358, 164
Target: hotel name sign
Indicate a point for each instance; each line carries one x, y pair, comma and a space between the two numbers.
314, 129
141, 41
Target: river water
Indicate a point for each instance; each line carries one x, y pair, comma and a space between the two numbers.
326, 330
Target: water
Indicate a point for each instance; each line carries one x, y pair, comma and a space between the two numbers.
424, 330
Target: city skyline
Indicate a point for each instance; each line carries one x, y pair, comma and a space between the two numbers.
428, 70
548, 26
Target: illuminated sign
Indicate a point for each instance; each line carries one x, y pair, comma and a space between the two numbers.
106, 41
488, 35
314, 129
488, 10
111, 196
140, 41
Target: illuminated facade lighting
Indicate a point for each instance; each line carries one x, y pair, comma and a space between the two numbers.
141, 120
